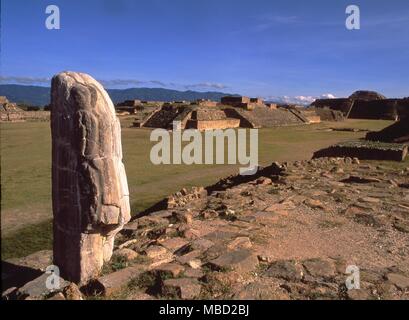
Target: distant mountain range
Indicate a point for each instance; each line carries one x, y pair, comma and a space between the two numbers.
40, 96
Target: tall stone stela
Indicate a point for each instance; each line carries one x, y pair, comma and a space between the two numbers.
89, 187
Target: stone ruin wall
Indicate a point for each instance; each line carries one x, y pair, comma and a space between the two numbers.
129, 103
193, 117
206, 103
245, 122
234, 101
327, 114
163, 117
375, 109
24, 116
213, 124
364, 150
343, 105
203, 114
262, 117
11, 112
313, 118
258, 116
403, 108
386, 109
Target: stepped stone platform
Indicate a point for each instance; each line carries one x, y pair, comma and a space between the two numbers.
231, 112
288, 232
221, 117
11, 112
262, 117
205, 119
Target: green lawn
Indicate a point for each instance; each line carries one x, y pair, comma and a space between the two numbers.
26, 172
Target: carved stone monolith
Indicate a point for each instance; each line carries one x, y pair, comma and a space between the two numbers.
89, 186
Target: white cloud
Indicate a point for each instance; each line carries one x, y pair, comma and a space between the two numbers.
206, 85
304, 99
24, 80
269, 21
328, 96
120, 82
300, 100
117, 83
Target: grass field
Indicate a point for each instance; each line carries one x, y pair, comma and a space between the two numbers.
26, 172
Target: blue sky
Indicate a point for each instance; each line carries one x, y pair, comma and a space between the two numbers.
259, 48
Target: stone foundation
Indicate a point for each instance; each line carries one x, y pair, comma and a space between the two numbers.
24, 116
212, 124
365, 150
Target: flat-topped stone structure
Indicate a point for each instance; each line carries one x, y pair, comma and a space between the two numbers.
11, 112
222, 117
367, 105
242, 102
203, 119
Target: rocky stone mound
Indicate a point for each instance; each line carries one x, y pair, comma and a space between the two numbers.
366, 95
292, 231
326, 114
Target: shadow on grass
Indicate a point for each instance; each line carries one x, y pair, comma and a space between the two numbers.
33, 238
27, 240
16, 276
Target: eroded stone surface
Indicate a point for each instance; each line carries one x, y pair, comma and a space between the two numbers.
183, 288
287, 270
90, 191
113, 282
241, 260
